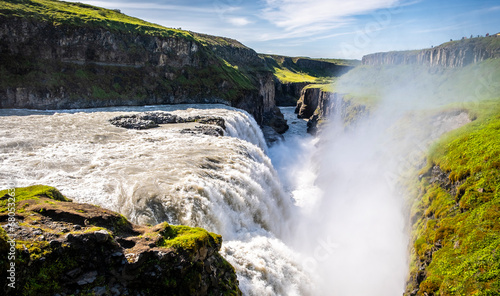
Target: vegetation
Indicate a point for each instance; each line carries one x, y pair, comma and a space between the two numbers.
185, 237
286, 75
82, 15
457, 232
101, 84
301, 69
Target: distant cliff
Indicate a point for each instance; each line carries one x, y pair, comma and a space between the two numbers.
450, 54
70, 55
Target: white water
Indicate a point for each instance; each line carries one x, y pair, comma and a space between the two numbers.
224, 184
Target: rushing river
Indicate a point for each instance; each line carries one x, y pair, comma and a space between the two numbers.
227, 184
304, 217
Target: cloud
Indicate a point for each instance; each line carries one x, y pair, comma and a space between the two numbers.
291, 15
238, 21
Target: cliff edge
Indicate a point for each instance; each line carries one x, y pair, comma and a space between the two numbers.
59, 55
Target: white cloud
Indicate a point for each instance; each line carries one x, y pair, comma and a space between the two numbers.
238, 21
291, 15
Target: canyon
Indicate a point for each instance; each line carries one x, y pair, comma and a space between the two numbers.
189, 175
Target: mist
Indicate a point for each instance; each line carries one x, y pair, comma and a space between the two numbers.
353, 232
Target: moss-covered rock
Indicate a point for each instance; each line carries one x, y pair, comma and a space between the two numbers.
70, 248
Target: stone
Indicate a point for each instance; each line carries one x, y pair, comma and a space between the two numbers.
101, 235
87, 278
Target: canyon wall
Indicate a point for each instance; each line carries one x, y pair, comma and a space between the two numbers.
45, 65
450, 54
317, 105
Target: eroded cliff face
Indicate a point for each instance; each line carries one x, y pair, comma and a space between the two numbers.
287, 94
319, 105
48, 66
451, 54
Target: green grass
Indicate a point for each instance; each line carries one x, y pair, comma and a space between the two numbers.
288, 76
466, 225
287, 70
79, 14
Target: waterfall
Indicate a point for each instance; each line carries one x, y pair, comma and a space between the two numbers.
227, 184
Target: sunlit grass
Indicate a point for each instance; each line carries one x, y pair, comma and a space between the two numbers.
59, 12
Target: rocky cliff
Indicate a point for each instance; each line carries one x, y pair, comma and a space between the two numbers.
287, 93
53, 58
451, 54
317, 105
297, 72
58, 247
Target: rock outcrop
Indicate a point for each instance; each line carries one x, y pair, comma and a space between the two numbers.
287, 94
63, 248
46, 64
451, 54
317, 105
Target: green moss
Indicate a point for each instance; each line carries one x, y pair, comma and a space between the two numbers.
45, 282
31, 192
462, 231
185, 237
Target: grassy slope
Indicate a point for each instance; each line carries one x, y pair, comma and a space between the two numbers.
296, 74
462, 231
59, 12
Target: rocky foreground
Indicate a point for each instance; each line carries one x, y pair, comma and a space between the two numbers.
58, 247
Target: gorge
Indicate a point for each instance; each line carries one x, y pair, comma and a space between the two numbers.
187, 178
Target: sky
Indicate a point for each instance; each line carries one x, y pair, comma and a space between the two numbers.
322, 28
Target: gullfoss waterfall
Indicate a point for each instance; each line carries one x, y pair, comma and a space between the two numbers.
224, 184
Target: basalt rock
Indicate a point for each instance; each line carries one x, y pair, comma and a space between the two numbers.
318, 106
148, 120
67, 248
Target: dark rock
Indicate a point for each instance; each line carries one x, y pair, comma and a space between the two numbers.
101, 235
209, 130
287, 94
213, 126
86, 260
87, 278
275, 119
271, 136
132, 122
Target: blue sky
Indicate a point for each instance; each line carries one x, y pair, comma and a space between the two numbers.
322, 28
